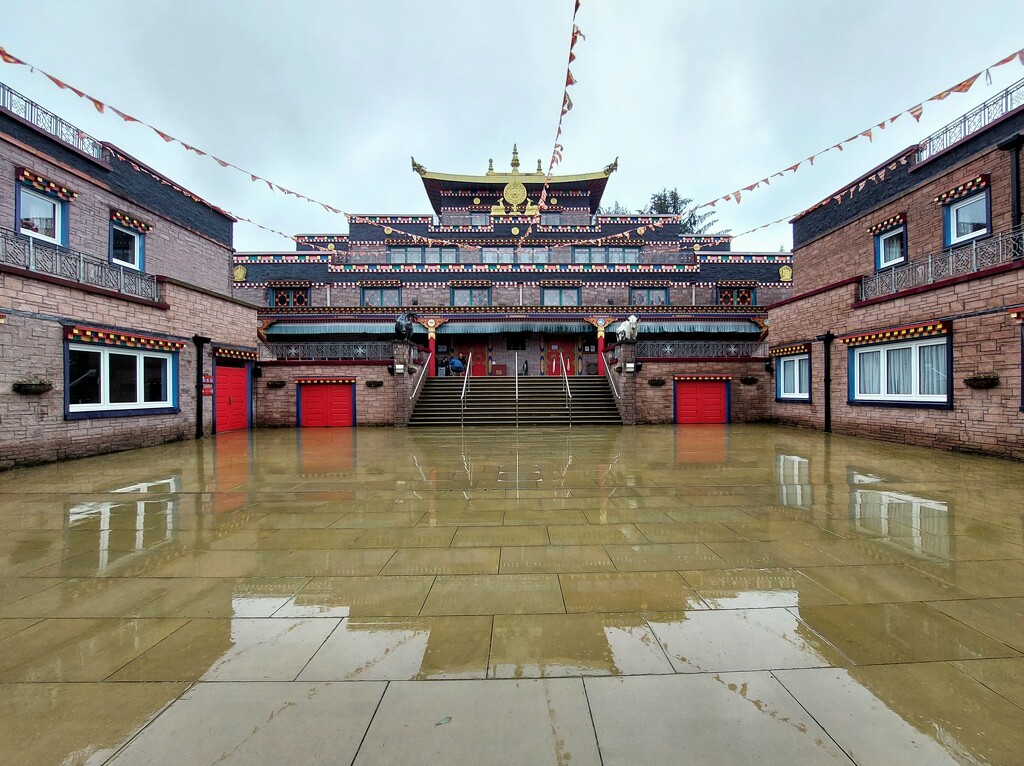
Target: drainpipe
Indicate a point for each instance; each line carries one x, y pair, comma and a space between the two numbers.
1013, 146
826, 338
200, 341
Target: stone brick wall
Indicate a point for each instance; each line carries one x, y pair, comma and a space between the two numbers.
170, 249
275, 407
748, 404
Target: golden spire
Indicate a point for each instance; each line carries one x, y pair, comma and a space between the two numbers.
540, 170
490, 167
515, 159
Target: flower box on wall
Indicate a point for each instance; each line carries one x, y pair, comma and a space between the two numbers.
749, 380
32, 386
276, 383
982, 381
374, 383
656, 382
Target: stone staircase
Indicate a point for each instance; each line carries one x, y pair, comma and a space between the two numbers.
492, 401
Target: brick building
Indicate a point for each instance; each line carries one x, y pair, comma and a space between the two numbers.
906, 319
118, 325
511, 288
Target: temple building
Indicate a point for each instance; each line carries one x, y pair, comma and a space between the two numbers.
509, 286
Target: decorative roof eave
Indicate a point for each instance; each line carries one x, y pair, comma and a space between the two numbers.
85, 334
495, 179
231, 352
388, 313
792, 348
322, 381
702, 377
905, 332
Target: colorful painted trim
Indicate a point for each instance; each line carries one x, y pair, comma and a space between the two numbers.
797, 348
727, 258
979, 182
296, 258
651, 283
289, 283
737, 283
897, 333
3, 318
427, 219
468, 283
129, 222
704, 239
46, 186
613, 268
889, 223
309, 381
235, 353
380, 283
114, 338
702, 377
743, 312
1017, 312
322, 239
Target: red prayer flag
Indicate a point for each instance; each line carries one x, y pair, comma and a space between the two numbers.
965, 86
9, 59
100, 106
868, 134
122, 115
569, 79
916, 112
736, 194
163, 135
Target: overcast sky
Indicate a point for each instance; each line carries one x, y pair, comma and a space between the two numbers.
331, 97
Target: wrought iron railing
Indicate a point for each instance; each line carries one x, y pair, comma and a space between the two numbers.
968, 259
32, 254
699, 349
339, 351
973, 121
30, 111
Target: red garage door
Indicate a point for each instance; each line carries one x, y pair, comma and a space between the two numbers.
702, 401
326, 405
231, 406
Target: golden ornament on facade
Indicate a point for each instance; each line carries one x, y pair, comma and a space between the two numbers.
515, 229
387, 229
786, 274
476, 200
514, 193
239, 273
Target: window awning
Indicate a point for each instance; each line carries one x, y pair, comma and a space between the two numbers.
488, 328
336, 328
648, 326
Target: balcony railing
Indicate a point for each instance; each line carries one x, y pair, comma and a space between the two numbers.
976, 256
327, 352
973, 121
31, 254
47, 121
692, 349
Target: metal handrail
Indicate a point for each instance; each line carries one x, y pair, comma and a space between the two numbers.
975, 120
517, 389
44, 119
423, 374
608, 374
465, 389
568, 393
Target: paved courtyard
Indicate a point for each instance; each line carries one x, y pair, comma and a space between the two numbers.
704, 595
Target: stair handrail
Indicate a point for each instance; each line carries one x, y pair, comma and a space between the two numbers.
568, 393
465, 388
608, 375
517, 389
423, 374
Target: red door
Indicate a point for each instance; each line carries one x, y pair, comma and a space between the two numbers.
478, 364
702, 401
231, 405
326, 405
558, 350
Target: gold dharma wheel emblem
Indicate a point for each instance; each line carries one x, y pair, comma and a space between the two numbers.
514, 193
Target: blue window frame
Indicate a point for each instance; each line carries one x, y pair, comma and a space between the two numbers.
891, 247
560, 296
793, 378
39, 215
737, 296
915, 373
381, 296
471, 296
967, 219
289, 296
111, 381
648, 296
127, 247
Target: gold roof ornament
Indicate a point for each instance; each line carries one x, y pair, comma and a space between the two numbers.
418, 167
609, 169
515, 160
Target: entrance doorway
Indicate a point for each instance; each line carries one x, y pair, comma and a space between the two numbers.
559, 349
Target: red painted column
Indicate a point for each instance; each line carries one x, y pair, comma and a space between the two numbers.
432, 340
600, 351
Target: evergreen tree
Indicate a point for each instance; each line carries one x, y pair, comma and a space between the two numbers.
615, 209
668, 202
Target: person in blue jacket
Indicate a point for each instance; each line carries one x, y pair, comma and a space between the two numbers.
455, 366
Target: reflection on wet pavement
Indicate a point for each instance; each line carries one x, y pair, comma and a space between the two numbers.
615, 596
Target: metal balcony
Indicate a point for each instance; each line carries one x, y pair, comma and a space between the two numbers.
692, 349
975, 120
47, 121
327, 352
31, 254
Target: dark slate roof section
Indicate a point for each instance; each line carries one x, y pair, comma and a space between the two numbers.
814, 224
279, 272
126, 181
720, 272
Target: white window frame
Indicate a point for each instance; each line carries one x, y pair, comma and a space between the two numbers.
137, 237
58, 216
915, 396
880, 240
104, 404
798, 394
955, 207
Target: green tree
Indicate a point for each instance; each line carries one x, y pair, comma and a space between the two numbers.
668, 202
615, 209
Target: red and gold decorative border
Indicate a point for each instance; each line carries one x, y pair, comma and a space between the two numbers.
795, 348
736, 283
380, 283
651, 283
308, 381
130, 222
889, 223
46, 186
979, 182
235, 353
702, 377
471, 283
114, 338
907, 332
288, 283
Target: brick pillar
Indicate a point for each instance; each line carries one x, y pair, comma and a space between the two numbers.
404, 354
626, 381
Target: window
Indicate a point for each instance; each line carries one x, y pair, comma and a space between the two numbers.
560, 296
289, 297
648, 296
551, 219
441, 255
515, 343
907, 372
497, 255
101, 379
40, 216
405, 255
381, 296
890, 247
736, 296
606, 255
471, 296
533, 255
966, 219
793, 377
479, 219
126, 247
